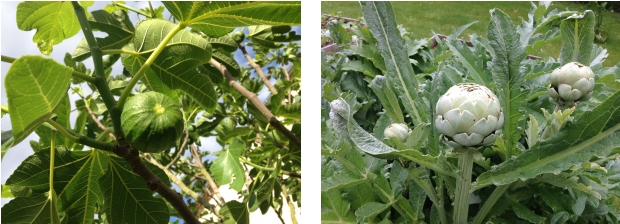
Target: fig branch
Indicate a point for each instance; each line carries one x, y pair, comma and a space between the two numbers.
122, 148
258, 70
253, 98
203, 171
289, 201
180, 183
153, 182
180, 150
100, 80
99, 124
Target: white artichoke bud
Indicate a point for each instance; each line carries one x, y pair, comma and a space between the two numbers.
571, 83
469, 115
397, 130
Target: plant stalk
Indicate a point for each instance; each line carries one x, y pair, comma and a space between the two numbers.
258, 69
291, 206
256, 165
80, 139
463, 185
427, 186
180, 183
153, 182
52, 157
486, 208
119, 51
100, 80
147, 64
131, 9
106, 132
214, 187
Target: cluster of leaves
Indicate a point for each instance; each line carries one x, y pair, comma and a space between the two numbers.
381, 76
193, 65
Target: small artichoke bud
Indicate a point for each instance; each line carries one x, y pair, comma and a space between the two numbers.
571, 83
397, 130
469, 115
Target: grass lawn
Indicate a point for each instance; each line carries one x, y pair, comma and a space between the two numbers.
421, 18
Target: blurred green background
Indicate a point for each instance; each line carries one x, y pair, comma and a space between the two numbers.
422, 18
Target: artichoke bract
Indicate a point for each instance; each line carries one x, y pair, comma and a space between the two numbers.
469, 115
397, 130
152, 122
571, 83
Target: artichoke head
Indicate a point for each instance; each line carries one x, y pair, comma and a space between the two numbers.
469, 115
398, 130
571, 83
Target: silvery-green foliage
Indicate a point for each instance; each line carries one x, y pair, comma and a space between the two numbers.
544, 165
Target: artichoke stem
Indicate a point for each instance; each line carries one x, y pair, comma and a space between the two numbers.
462, 195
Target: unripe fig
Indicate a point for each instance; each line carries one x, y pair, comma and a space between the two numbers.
238, 36
152, 122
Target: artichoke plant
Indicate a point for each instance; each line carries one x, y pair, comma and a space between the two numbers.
469, 115
571, 83
398, 130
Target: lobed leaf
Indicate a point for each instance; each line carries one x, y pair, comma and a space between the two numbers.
577, 38
35, 209
225, 43
35, 86
369, 211
563, 182
271, 36
472, 58
118, 27
7, 141
229, 62
76, 175
593, 134
227, 169
216, 19
530, 36
334, 209
175, 67
125, 197
525, 213
504, 39
54, 22
388, 99
237, 212
369, 144
371, 54
380, 19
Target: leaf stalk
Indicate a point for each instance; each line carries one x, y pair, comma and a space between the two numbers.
146, 65
486, 208
77, 138
256, 165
